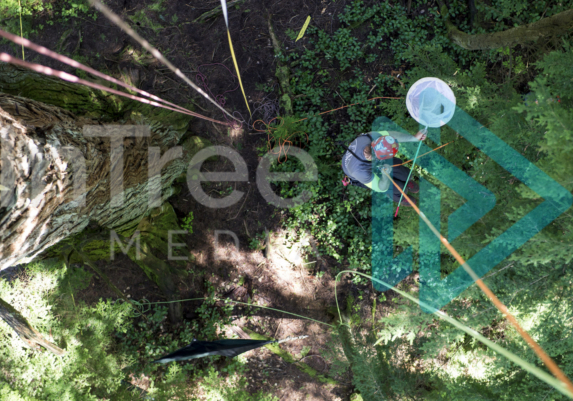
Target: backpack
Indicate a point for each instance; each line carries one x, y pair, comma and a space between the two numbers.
349, 180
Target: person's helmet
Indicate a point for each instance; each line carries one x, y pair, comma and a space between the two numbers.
384, 147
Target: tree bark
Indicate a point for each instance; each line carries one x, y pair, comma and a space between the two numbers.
78, 99
42, 206
556, 25
55, 179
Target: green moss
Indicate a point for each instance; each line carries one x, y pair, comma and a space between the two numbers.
177, 121
287, 356
78, 99
286, 103
282, 74
194, 144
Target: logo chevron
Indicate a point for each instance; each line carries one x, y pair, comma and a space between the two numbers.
393, 270
479, 201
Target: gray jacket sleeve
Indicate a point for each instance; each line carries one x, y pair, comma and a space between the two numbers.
384, 183
400, 137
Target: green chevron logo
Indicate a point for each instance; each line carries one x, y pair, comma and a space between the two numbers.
435, 291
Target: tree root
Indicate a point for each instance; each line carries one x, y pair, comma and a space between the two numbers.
556, 25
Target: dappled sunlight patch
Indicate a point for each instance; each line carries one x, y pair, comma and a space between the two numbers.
476, 364
286, 251
289, 260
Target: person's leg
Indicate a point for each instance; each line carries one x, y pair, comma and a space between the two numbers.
399, 175
359, 184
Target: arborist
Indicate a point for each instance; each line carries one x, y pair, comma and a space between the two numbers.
382, 146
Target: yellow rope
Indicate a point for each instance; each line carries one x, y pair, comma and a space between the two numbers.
237, 69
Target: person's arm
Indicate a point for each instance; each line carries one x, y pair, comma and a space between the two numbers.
401, 137
379, 184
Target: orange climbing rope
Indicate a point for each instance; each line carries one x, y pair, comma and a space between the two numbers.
353, 104
283, 142
546, 359
433, 150
286, 141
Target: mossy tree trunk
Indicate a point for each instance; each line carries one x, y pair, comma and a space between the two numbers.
42, 205
78, 99
42, 201
282, 74
545, 28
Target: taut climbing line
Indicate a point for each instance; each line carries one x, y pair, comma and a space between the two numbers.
147, 46
73, 63
146, 302
72, 78
546, 359
529, 367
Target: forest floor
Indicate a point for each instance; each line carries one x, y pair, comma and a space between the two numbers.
295, 280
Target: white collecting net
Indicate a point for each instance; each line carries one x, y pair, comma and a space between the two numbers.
431, 102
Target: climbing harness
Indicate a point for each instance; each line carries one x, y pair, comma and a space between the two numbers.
349, 180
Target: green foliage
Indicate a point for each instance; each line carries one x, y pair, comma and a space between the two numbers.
32, 10
218, 388
419, 357
291, 33
534, 281
538, 276
75, 8
377, 372
105, 344
257, 242
554, 66
10, 14
263, 87
149, 337
329, 210
188, 223
157, 6
285, 129
147, 17
142, 19
500, 15
212, 319
88, 370
11, 8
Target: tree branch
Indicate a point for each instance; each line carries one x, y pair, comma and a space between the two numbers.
556, 25
31, 337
